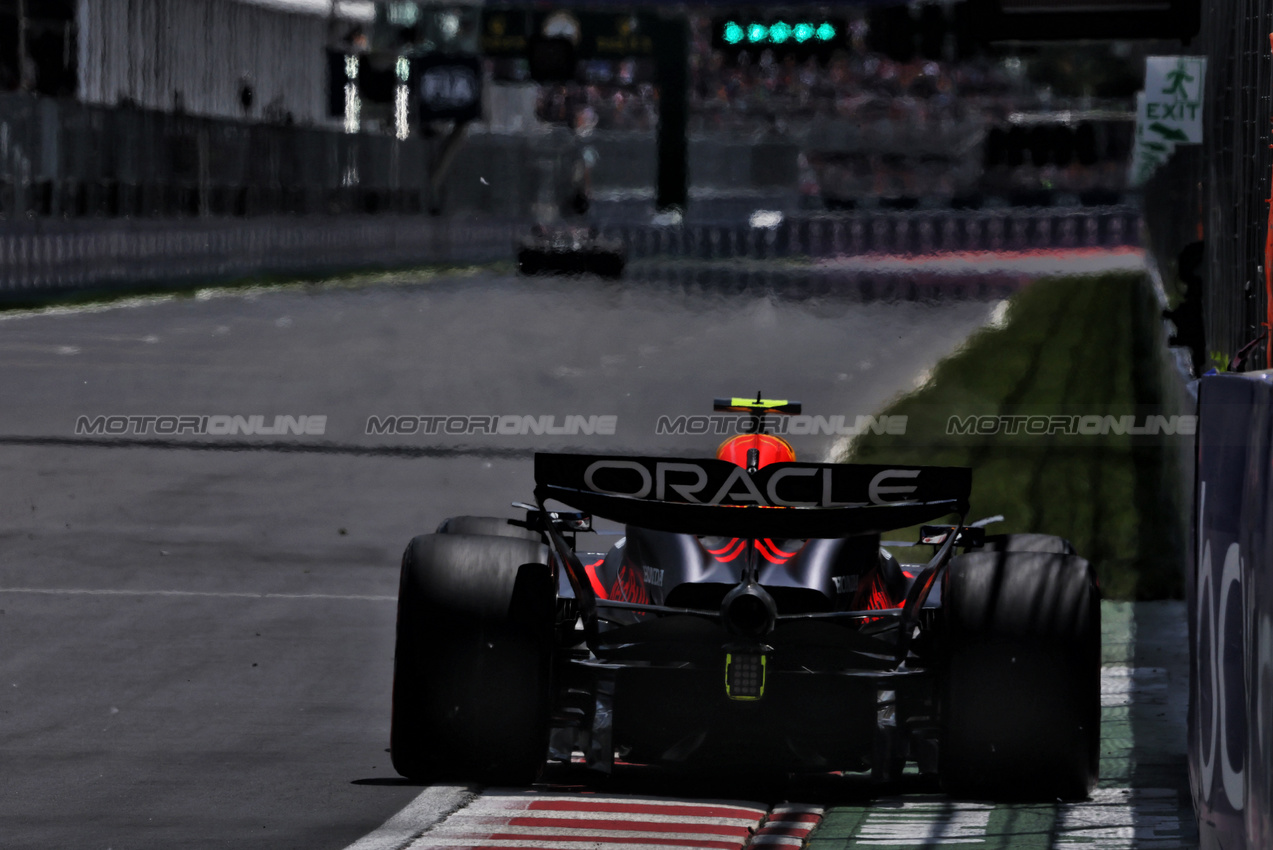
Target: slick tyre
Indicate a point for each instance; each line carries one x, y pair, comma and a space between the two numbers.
530, 262
486, 525
1028, 543
1020, 694
473, 660
606, 264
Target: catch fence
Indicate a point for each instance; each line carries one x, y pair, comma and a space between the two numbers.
1219, 193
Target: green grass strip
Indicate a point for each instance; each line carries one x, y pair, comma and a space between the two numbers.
1073, 346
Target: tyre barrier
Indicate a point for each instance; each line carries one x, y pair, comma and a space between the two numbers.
1229, 590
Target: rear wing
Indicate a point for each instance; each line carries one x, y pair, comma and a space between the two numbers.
787, 500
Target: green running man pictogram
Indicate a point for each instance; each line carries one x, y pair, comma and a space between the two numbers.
1178, 78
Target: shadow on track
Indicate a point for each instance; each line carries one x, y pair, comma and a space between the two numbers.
815, 789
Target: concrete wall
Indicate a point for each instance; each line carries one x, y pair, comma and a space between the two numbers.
1230, 599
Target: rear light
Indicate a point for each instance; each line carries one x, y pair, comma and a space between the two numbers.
745, 674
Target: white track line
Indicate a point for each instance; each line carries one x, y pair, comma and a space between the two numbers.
225, 594
425, 811
1118, 818
908, 821
1127, 685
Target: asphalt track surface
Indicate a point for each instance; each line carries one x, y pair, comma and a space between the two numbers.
196, 631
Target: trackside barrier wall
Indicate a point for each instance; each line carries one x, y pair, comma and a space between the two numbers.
1230, 605
913, 233
63, 254
77, 255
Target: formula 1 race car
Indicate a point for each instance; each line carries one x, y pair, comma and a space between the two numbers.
570, 250
748, 620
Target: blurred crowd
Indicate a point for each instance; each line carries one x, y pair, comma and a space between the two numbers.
600, 106
730, 93
763, 92
866, 126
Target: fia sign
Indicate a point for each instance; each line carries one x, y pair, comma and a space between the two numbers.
450, 88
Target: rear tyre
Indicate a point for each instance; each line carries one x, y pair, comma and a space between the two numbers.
1021, 695
472, 662
607, 264
530, 261
1028, 543
486, 525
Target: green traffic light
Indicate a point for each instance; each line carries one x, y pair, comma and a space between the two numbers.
742, 33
